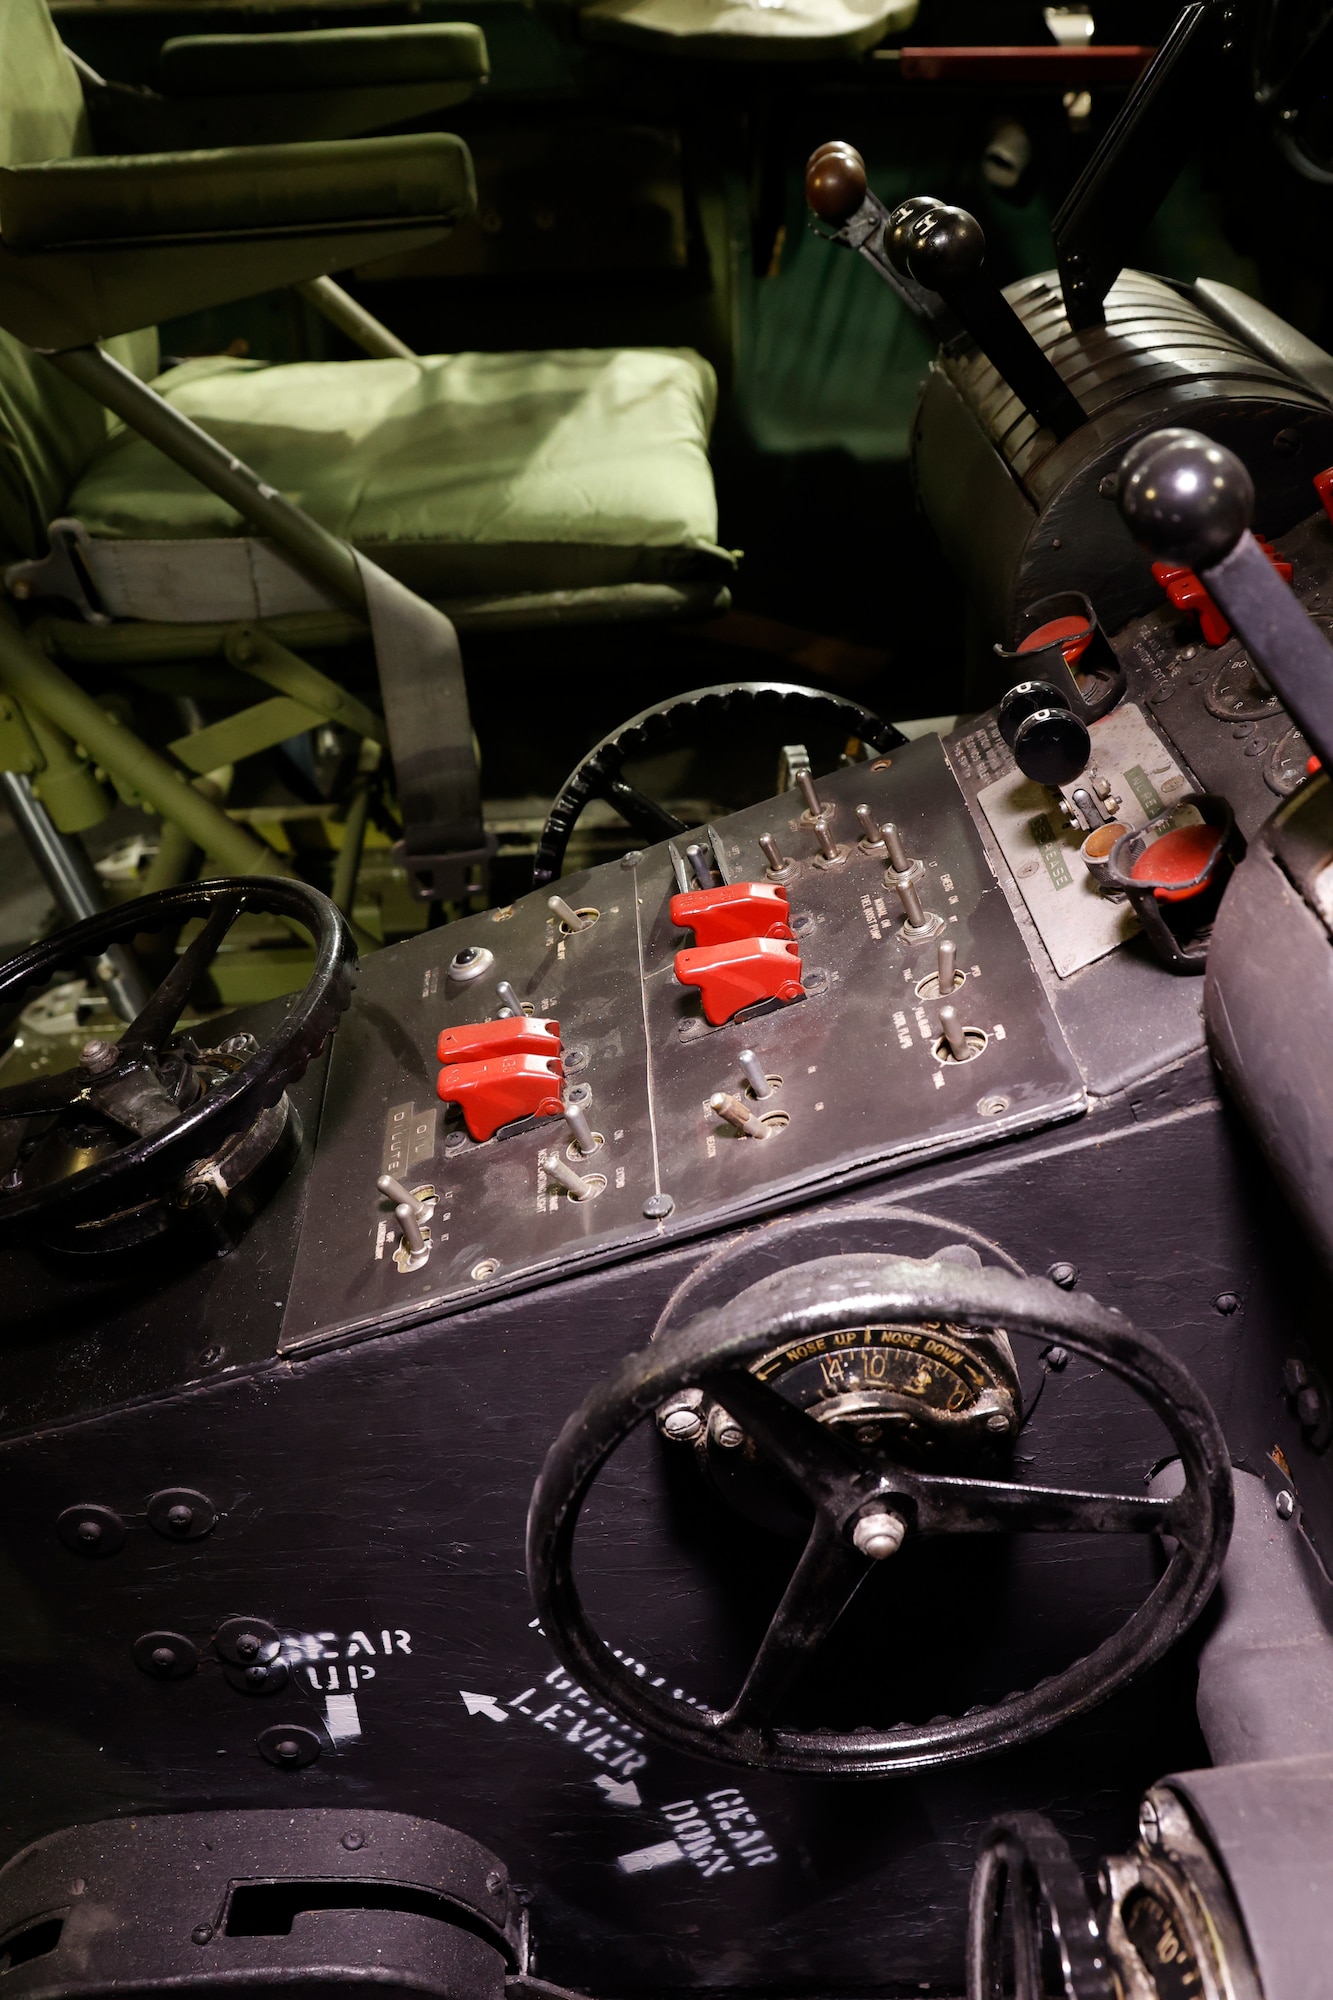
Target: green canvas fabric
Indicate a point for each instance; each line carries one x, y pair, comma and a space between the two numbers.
480, 472
323, 59
48, 429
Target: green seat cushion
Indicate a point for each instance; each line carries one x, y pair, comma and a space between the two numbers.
748, 30
463, 473
323, 59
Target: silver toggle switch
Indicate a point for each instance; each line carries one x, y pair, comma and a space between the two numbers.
400, 1196
570, 918
754, 1073
697, 857
406, 1213
872, 836
509, 1000
735, 1113
580, 1130
829, 849
814, 805
946, 973
560, 1170
954, 1034
779, 866
899, 859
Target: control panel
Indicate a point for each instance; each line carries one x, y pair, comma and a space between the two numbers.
832, 982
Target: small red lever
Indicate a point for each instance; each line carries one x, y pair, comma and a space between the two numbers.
738, 910
1186, 592
495, 1093
512, 1035
735, 975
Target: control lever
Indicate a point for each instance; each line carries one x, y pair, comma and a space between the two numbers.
934, 257
944, 248
1191, 501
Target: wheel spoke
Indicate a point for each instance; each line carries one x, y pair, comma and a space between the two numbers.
823, 1584
813, 1458
948, 1506
643, 815
151, 1027
42, 1093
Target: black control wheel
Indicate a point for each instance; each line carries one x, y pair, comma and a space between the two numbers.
1025, 1867
864, 1507
667, 724
139, 1118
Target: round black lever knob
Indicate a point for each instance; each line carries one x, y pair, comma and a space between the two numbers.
1024, 700
1185, 498
944, 246
897, 229
835, 182
1052, 746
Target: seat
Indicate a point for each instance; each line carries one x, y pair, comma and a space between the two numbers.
475, 479
749, 31
519, 486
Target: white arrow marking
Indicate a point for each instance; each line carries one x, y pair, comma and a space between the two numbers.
620, 1795
643, 1859
483, 1704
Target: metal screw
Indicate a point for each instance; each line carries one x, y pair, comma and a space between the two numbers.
681, 1422
210, 1357
287, 1749
247, 1645
351, 1841
1063, 1274
1286, 1505
728, 1433
658, 1206
1226, 1303
90, 1532
879, 1534
1056, 1359
163, 1658
98, 1056
1149, 1824
495, 1882
180, 1518
256, 1675
632, 859
201, 1934
998, 1422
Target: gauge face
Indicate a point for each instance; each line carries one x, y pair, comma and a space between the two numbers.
1238, 692
1285, 767
1159, 1939
921, 1372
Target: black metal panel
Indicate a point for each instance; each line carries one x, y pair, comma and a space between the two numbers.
861, 1084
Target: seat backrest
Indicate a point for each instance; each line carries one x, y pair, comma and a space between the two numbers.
49, 429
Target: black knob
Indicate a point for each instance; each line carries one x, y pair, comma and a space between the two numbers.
1052, 746
835, 182
1184, 497
900, 222
1024, 700
944, 246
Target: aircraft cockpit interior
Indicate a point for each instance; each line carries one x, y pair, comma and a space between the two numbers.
666, 999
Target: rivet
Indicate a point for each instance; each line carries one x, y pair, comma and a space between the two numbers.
1063, 1274
351, 1841
201, 1934
1226, 1303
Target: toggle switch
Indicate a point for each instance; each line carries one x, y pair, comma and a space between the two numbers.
740, 910
872, 834
780, 868
573, 1182
495, 1093
572, 919
735, 1113
580, 1130
697, 857
409, 1223
510, 1035
741, 973
754, 1073
509, 1000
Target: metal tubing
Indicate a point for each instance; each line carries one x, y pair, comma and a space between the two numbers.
321, 555
72, 880
1282, 638
39, 683
348, 865
350, 317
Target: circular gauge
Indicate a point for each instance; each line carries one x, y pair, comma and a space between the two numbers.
1238, 692
1285, 765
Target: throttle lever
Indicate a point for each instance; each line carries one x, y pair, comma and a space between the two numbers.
838, 194
1191, 501
944, 248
